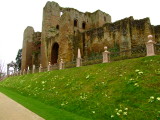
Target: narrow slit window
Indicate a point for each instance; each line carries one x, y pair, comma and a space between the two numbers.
57, 27
83, 25
75, 23
105, 19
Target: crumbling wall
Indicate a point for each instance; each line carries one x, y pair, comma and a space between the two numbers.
118, 36
114, 35
36, 47
92, 20
27, 48
51, 15
90, 32
157, 33
140, 29
58, 27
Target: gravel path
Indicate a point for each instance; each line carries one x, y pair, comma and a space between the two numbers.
11, 110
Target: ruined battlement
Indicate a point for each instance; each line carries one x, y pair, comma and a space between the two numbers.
156, 30
64, 30
126, 33
55, 15
37, 36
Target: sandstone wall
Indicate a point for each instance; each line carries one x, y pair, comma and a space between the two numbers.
51, 14
157, 33
36, 47
58, 27
27, 48
118, 36
70, 29
140, 29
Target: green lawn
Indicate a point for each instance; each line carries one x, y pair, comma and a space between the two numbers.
122, 90
48, 112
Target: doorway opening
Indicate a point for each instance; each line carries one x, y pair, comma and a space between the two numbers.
54, 53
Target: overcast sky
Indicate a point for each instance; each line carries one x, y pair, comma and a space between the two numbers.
16, 15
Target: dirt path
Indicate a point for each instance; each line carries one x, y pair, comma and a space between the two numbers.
11, 110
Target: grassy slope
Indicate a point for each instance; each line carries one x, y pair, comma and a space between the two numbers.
98, 91
46, 111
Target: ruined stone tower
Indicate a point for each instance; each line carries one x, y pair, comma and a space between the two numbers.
60, 26
27, 47
64, 30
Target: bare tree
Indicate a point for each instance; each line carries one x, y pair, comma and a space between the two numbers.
2, 69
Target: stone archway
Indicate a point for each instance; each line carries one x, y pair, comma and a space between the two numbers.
54, 53
11, 65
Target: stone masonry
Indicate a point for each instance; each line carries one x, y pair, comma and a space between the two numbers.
64, 30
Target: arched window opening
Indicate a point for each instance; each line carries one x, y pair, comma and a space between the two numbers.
54, 53
84, 25
57, 27
75, 23
61, 13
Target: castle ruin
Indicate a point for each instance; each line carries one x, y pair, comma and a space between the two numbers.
64, 30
